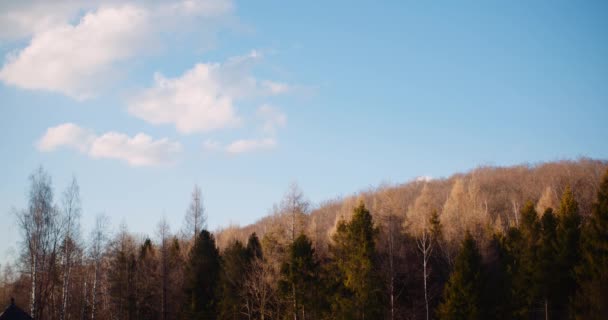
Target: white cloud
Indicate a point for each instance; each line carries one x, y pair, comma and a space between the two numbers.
20, 19
250, 145
240, 146
69, 59
424, 178
73, 59
24, 18
276, 87
140, 150
200, 7
272, 118
67, 134
202, 99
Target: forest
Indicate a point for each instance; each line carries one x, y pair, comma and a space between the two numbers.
520, 242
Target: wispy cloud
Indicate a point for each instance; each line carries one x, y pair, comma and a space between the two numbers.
139, 150
240, 146
250, 145
272, 118
203, 98
276, 87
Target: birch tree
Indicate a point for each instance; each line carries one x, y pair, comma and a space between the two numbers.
39, 225
99, 237
164, 238
71, 230
425, 246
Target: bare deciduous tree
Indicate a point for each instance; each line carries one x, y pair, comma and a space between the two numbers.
259, 288
71, 231
41, 232
196, 219
425, 245
164, 238
99, 237
391, 212
296, 206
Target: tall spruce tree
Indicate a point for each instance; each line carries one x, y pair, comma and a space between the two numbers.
592, 273
497, 297
300, 279
439, 262
235, 263
254, 247
354, 252
148, 283
546, 268
521, 244
526, 279
462, 294
201, 278
568, 242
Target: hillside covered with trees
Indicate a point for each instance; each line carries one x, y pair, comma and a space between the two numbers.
522, 242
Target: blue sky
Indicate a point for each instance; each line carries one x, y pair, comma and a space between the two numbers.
141, 100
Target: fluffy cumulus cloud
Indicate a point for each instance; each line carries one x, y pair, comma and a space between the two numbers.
21, 19
203, 98
140, 150
68, 59
68, 135
71, 58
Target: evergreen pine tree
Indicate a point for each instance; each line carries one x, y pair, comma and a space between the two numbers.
462, 294
235, 262
254, 247
300, 279
568, 243
526, 283
148, 280
354, 252
439, 264
522, 246
201, 278
547, 263
592, 273
497, 297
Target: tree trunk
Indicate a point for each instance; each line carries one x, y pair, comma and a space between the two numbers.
295, 302
33, 302
94, 302
426, 299
66, 279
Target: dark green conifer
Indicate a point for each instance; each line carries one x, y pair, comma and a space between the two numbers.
354, 253
547, 263
592, 273
201, 278
300, 279
462, 294
235, 263
568, 243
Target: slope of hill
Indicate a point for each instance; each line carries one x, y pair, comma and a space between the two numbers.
484, 199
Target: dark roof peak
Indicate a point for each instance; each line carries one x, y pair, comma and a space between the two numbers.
12, 312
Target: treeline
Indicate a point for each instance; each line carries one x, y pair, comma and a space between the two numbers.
527, 242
